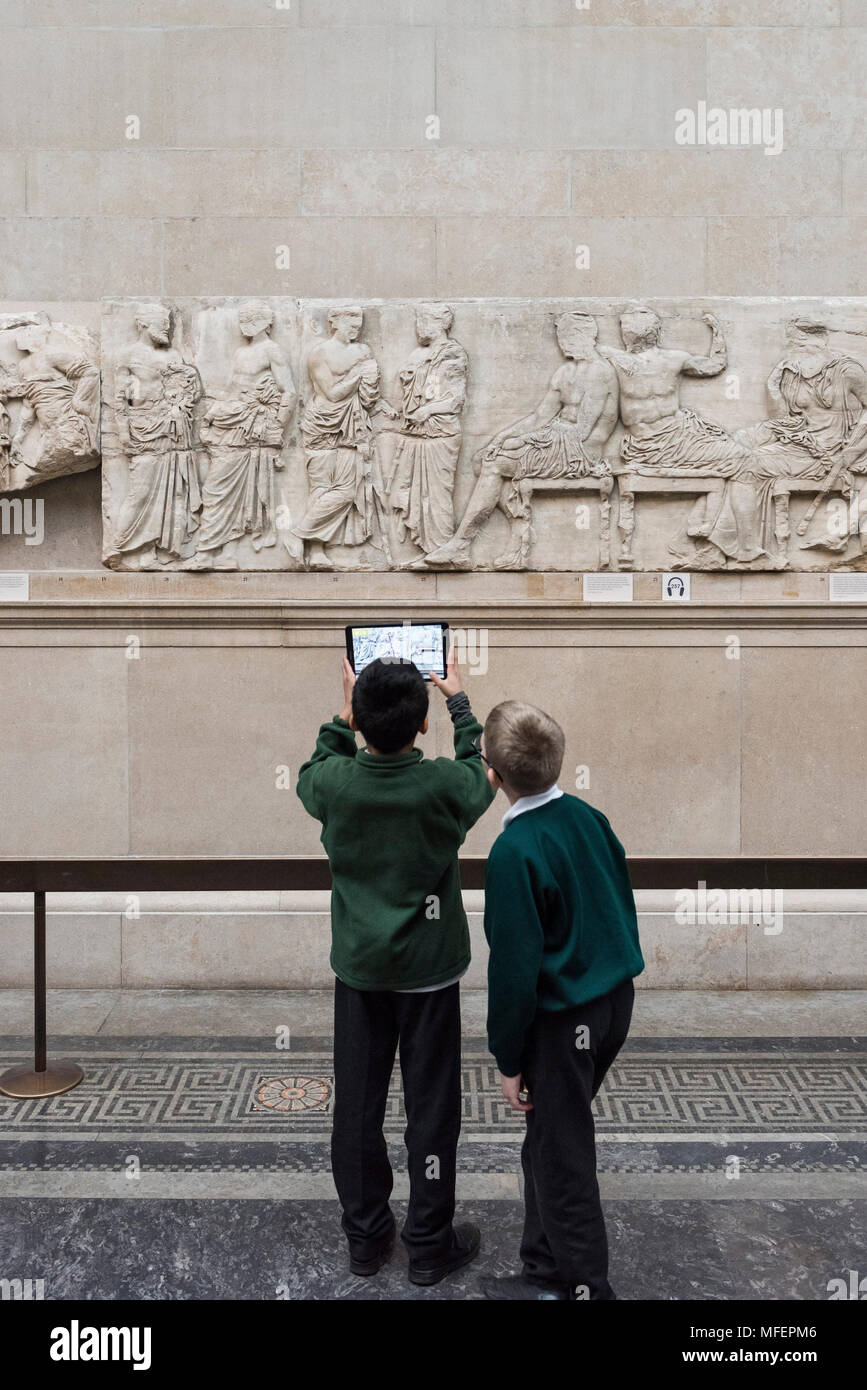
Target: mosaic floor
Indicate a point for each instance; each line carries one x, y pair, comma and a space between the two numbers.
198, 1166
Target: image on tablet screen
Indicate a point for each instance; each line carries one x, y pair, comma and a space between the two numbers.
422, 644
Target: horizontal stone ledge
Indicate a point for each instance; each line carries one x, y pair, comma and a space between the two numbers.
648, 901
61, 584
808, 942
502, 614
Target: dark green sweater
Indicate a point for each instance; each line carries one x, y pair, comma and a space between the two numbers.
392, 825
559, 918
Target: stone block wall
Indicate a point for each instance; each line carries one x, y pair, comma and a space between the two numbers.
426, 147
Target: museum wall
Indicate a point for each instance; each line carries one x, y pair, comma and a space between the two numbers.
180, 750
400, 150
170, 149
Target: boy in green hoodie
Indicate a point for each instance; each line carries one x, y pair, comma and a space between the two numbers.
392, 824
560, 921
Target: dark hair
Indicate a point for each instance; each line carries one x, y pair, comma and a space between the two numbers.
390, 702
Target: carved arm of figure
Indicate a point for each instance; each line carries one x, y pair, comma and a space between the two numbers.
125, 394
774, 389
600, 384
335, 389
193, 384
547, 410
365, 378
326, 384
4, 415
382, 407
447, 405
855, 448
283, 376
716, 360
25, 420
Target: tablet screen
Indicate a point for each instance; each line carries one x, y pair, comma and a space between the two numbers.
421, 643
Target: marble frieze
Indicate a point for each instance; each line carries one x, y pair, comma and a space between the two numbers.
286, 434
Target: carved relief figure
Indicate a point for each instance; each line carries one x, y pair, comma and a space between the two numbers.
155, 399
344, 495
10, 387
562, 438
434, 386
664, 439
60, 395
57, 382
819, 431
244, 434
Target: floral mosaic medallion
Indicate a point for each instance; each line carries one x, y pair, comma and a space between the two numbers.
291, 1093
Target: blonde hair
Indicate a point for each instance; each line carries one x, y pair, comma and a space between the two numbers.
525, 746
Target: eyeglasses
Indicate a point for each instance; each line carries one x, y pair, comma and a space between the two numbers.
477, 746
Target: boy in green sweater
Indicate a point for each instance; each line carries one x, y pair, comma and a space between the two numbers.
392, 824
560, 921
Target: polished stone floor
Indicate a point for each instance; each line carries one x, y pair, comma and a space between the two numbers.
192, 1162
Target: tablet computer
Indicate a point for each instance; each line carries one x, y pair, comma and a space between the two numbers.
424, 644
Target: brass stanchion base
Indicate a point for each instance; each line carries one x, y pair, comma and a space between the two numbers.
25, 1083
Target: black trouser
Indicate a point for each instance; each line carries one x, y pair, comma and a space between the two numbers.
564, 1242
368, 1024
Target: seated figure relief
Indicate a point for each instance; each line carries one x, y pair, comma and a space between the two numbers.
746, 475
818, 433
664, 439
562, 438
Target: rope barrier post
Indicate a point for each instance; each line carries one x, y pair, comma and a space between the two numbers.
42, 1079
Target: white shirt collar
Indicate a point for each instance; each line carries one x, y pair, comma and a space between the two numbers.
529, 803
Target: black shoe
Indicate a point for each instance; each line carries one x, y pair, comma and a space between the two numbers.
466, 1240
515, 1286
368, 1257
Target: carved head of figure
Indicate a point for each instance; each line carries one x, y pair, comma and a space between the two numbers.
640, 328
156, 321
32, 338
576, 334
432, 321
345, 322
254, 317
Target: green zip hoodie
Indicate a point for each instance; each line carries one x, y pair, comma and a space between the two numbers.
392, 825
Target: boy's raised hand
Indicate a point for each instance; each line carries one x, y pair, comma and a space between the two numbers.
348, 682
452, 683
